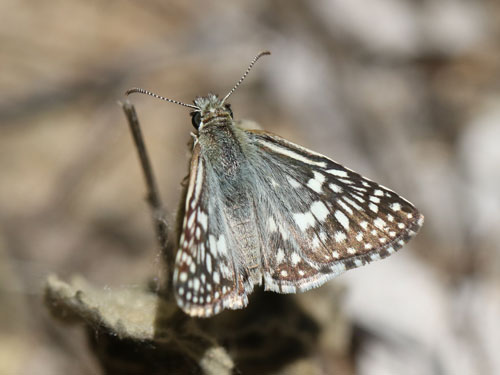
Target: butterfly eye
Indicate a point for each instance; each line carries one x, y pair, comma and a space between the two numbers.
228, 108
196, 119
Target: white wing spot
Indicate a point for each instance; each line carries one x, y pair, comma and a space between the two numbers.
379, 223
209, 263
359, 199
203, 220
338, 268
212, 245
345, 207
340, 236
291, 154
375, 199
191, 220
401, 225
196, 284
375, 256
353, 204
395, 206
368, 246
336, 254
342, 219
224, 269
364, 225
183, 277
304, 221
351, 250
346, 181
337, 172
335, 188
378, 193
319, 210
295, 258
316, 183
390, 218
284, 273
373, 207
359, 236
216, 277
360, 189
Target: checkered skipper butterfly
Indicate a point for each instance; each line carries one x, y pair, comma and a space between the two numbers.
260, 209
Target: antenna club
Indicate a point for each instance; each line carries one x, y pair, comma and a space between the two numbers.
134, 90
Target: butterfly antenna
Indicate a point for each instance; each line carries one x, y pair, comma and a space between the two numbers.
146, 92
246, 73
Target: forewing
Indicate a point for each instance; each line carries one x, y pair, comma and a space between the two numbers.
318, 219
205, 277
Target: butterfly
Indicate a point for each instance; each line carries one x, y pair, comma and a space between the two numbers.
262, 210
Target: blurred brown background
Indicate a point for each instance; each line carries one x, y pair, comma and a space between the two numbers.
405, 92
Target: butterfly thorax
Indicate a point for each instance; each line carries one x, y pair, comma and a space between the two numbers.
219, 139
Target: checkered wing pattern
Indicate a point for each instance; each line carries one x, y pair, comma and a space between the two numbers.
205, 277
318, 218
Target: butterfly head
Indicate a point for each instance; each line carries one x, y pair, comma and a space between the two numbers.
210, 109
